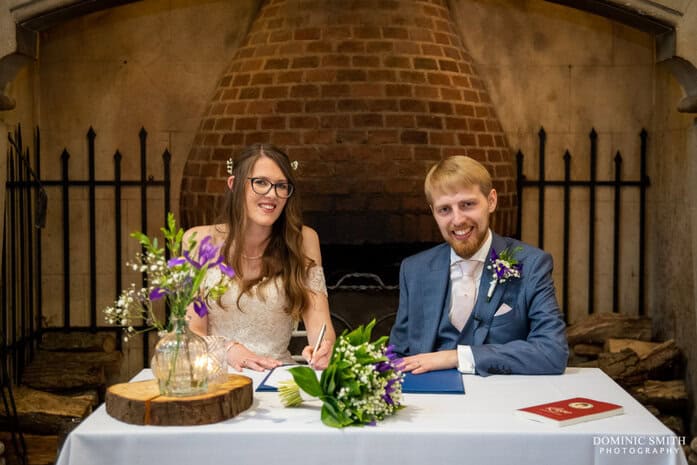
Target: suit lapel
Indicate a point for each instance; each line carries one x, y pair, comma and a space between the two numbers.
436, 295
477, 327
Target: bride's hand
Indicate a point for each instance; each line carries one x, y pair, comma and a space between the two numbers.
239, 357
320, 359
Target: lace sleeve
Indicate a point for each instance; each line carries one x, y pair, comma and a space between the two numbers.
315, 280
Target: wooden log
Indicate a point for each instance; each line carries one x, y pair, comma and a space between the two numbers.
45, 413
598, 327
628, 369
140, 403
109, 360
667, 396
665, 354
674, 423
89, 395
48, 376
588, 350
692, 458
78, 341
58, 371
641, 348
622, 367
41, 450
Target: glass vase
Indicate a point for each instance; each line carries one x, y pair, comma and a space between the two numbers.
180, 363
217, 359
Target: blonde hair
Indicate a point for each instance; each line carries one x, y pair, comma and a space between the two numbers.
284, 254
455, 173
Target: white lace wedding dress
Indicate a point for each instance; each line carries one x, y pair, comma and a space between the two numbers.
262, 325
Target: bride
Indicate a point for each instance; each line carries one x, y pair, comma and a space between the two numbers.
278, 266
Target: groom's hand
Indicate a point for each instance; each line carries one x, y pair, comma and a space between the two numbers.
422, 363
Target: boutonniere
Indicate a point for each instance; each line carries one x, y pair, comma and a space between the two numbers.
503, 266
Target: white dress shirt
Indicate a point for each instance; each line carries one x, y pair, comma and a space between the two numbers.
465, 358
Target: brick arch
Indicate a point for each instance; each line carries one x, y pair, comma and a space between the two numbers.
366, 95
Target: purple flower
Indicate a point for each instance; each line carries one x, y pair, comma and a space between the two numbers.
187, 255
504, 266
200, 307
390, 354
176, 262
382, 367
207, 252
227, 270
157, 293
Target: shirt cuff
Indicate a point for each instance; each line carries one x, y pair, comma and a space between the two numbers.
465, 360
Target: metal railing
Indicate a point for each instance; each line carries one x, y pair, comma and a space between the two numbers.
618, 185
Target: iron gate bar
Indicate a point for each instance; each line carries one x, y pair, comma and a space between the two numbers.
556, 183
520, 182
117, 234
23, 278
541, 197
101, 183
5, 281
117, 222
66, 239
13, 262
642, 221
591, 220
144, 222
166, 157
37, 284
92, 227
616, 235
567, 233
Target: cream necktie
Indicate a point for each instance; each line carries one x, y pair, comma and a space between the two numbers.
464, 293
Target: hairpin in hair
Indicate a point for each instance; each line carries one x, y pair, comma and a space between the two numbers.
294, 164
230, 164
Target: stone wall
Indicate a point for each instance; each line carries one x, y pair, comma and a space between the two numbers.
673, 226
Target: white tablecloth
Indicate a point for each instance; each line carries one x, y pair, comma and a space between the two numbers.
478, 427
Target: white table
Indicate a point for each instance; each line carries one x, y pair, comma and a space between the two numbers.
478, 427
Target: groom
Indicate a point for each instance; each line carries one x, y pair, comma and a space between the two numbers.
460, 307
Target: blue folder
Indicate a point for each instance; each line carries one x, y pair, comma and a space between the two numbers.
434, 382
263, 387
267, 386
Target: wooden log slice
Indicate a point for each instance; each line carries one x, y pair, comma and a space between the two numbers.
140, 403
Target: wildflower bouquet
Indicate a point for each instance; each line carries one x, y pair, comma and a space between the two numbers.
180, 280
181, 361
360, 386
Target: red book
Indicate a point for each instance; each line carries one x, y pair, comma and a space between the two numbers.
570, 411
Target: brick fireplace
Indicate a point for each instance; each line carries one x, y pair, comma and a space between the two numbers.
366, 95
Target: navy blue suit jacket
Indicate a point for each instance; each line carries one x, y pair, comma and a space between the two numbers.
529, 339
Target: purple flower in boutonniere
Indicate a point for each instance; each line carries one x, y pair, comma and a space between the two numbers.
504, 266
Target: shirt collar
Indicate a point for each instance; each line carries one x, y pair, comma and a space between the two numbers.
480, 255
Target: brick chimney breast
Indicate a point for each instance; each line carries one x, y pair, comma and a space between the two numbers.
367, 95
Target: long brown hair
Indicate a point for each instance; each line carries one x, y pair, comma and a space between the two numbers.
284, 254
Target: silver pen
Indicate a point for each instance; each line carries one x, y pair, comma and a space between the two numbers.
322, 330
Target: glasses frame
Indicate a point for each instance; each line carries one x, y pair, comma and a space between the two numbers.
273, 186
